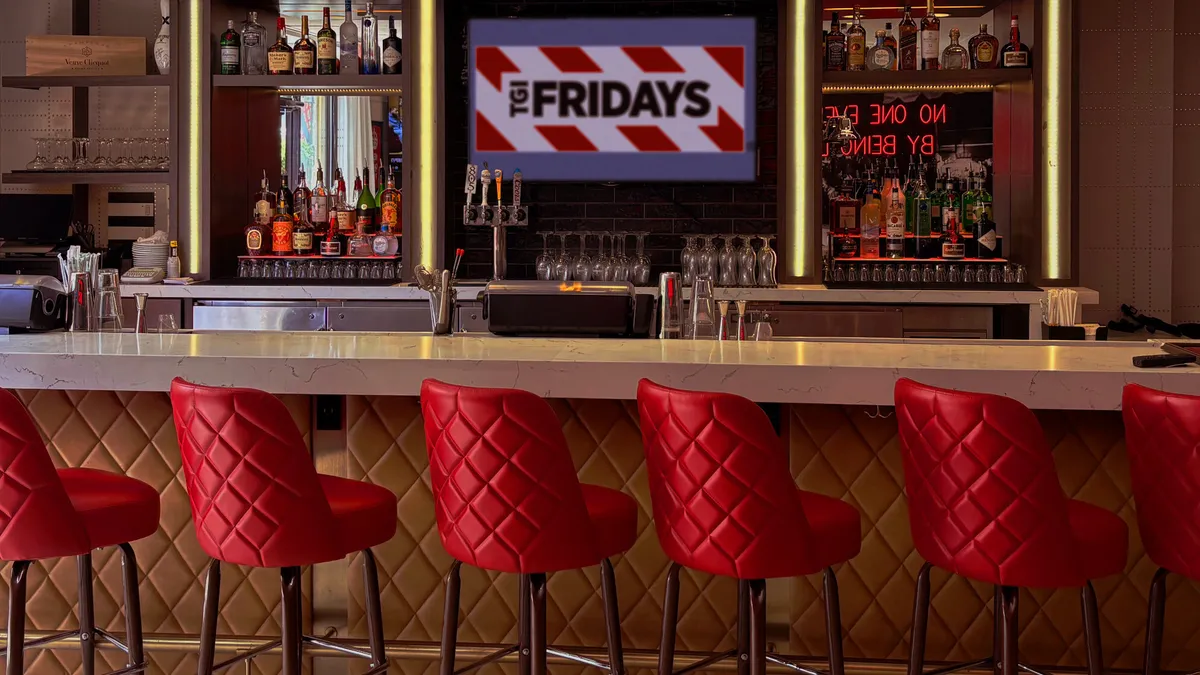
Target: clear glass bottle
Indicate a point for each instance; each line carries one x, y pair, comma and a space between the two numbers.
231, 51
369, 35
359, 245
870, 215
348, 47
254, 46
955, 56
856, 40
880, 57
895, 223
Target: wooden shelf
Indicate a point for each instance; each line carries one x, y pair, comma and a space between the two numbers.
363, 85
86, 178
890, 9
933, 79
40, 81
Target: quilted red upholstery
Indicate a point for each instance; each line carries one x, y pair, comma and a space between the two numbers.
984, 499
46, 513
505, 491
1162, 435
256, 499
723, 497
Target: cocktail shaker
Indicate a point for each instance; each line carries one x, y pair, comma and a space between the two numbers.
670, 306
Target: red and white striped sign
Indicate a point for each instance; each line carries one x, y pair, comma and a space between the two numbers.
610, 99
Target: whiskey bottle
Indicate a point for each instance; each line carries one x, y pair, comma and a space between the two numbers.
327, 57
304, 54
895, 224
392, 50
369, 47
264, 202
931, 36
254, 46
348, 36
257, 234
908, 41
889, 39
856, 39
285, 194
303, 232
302, 199
282, 226
320, 200
835, 47
347, 216
881, 57
984, 49
1015, 54
870, 215
279, 56
231, 52
390, 203
954, 56
846, 231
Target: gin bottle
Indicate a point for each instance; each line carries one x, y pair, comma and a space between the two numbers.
254, 46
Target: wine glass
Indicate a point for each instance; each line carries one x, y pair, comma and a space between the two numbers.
40, 161
688, 260
62, 154
747, 260
583, 262
708, 259
102, 159
544, 264
601, 262
641, 264
729, 261
621, 265
562, 263
164, 153
82, 163
766, 262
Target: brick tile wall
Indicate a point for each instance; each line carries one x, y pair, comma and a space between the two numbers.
664, 210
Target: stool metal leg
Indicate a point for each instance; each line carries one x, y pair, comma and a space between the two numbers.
1091, 630
1154, 622
920, 624
666, 645
758, 627
293, 642
450, 620
87, 630
537, 623
524, 662
833, 624
1009, 597
16, 617
743, 628
374, 610
133, 607
208, 621
612, 618
997, 633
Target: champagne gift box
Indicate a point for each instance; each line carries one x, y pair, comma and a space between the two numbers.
84, 55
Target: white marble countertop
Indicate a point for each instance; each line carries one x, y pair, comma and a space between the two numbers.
1048, 376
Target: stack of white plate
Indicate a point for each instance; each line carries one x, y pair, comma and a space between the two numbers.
150, 255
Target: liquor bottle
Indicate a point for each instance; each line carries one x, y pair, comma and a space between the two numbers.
393, 53
380, 186
931, 36
254, 46
982, 197
895, 223
304, 54
908, 41
937, 200
327, 57
348, 36
390, 204
1015, 54
835, 46
967, 200
365, 208
331, 243
279, 56
856, 40
889, 39
264, 202
303, 231
370, 42
984, 49
359, 244
954, 56
870, 215
320, 200
302, 198
881, 56
173, 264
258, 233
846, 230
285, 194
282, 226
231, 51
910, 211
923, 224
953, 246
345, 213
985, 233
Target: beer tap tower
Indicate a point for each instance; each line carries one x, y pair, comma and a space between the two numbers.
498, 217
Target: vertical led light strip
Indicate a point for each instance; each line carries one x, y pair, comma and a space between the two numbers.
194, 125
799, 150
427, 128
1056, 139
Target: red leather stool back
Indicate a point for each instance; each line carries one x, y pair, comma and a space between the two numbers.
36, 516
984, 500
255, 496
1162, 435
723, 495
505, 491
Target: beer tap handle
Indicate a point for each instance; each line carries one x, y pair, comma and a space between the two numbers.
516, 189
487, 179
499, 173
472, 180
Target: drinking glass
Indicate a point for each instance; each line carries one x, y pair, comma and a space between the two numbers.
325, 271
40, 161
82, 163
163, 153
583, 262
688, 260
728, 262
147, 159
562, 263
747, 261
709, 260
641, 264
389, 271
602, 262
62, 155
622, 269
544, 264
102, 157
766, 262
167, 323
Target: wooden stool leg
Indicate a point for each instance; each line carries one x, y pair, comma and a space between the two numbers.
16, 617
916, 653
612, 618
1154, 622
133, 607
666, 645
87, 620
450, 620
208, 621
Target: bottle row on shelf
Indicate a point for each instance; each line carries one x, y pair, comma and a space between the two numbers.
351, 50
925, 273
919, 46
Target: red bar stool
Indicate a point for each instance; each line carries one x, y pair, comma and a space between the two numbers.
257, 501
725, 503
1162, 433
507, 499
49, 513
984, 502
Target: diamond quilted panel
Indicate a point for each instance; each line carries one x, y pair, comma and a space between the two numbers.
847, 453
386, 445
132, 433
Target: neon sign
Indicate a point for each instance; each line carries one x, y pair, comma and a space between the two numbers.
891, 129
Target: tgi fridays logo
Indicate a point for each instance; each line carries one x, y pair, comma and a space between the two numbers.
675, 99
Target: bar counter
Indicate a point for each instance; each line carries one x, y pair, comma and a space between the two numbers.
100, 401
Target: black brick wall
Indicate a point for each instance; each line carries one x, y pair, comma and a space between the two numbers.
664, 210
